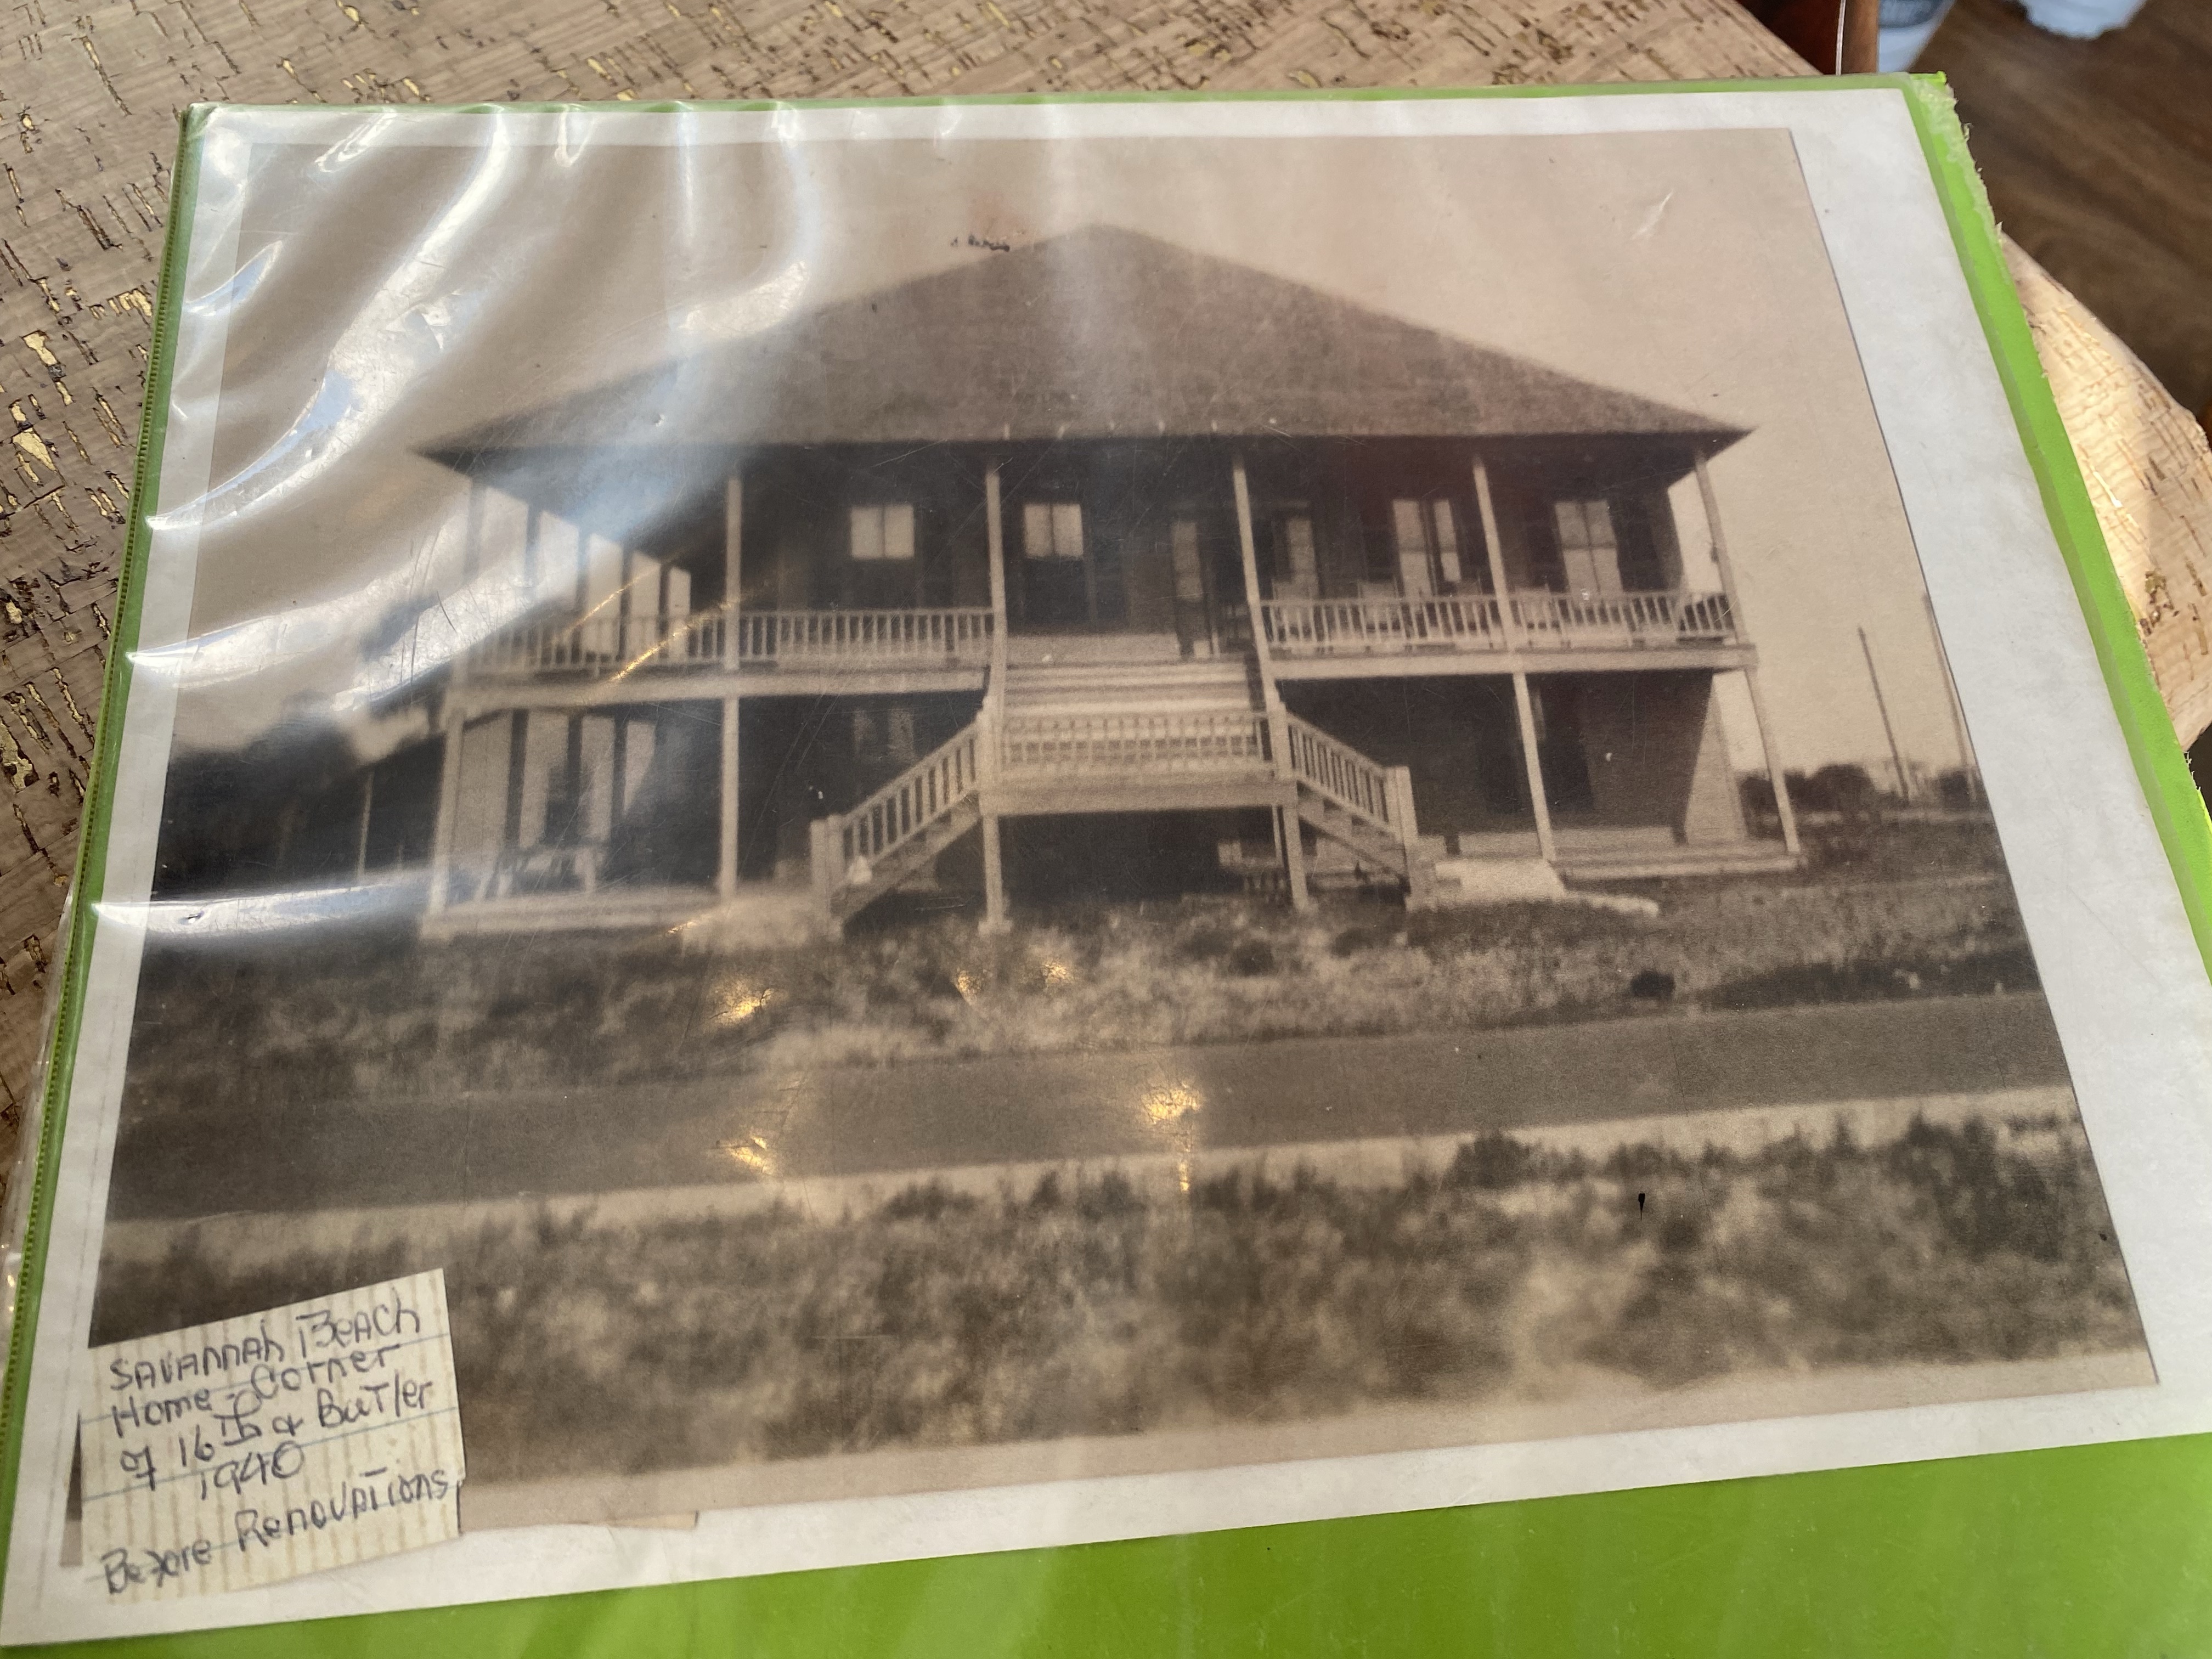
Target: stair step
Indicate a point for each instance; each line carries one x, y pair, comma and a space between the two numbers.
1128, 687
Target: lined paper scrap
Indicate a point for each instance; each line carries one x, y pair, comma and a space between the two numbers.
276, 1444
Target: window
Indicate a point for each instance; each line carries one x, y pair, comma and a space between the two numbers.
883, 531
1427, 540
883, 737
1184, 557
1643, 524
1052, 530
1297, 574
1588, 550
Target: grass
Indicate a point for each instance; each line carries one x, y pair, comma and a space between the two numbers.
1108, 1306
379, 1016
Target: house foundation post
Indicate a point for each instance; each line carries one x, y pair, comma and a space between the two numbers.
994, 878
826, 867
449, 806
726, 863
1524, 705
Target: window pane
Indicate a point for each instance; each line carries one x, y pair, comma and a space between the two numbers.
1037, 530
867, 532
1447, 541
555, 556
1303, 579
1598, 516
1066, 529
1407, 531
1573, 531
1189, 573
1414, 579
679, 592
603, 571
898, 736
898, 531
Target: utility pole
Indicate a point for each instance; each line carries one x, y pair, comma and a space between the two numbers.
1968, 767
1896, 756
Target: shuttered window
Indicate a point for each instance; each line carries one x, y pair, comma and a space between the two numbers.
883, 531
1052, 530
1427, 538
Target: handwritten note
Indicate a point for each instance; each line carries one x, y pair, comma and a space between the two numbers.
280, 1443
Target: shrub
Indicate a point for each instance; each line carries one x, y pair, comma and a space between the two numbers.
935, 1320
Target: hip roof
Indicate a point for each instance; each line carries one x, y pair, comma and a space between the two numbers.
1100, 333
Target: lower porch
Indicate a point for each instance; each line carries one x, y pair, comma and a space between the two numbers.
658, 814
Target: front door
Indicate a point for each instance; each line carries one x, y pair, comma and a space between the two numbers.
1070, 577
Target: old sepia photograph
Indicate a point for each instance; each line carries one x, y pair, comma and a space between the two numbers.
950, 812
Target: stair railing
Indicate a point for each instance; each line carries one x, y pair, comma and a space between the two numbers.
1380, 796
846, 848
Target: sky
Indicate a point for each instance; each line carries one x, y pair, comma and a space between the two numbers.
386, 297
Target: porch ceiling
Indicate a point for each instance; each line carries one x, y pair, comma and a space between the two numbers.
1102, 332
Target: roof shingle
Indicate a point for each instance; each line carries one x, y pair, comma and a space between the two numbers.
1100, 332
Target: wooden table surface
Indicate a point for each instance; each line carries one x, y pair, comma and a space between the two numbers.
90, 101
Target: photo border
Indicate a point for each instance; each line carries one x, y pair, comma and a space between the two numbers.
1082, 1596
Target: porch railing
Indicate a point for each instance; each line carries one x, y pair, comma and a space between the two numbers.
1075, 745
1320, 627
1535, 621
1566, 621
946, 637
604, 645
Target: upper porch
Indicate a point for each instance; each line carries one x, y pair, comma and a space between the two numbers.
799, 569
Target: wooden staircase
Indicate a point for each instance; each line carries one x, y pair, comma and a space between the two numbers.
896, 833
1133, 737
1361, 813
1128, 738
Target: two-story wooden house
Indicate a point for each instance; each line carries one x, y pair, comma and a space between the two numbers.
1096, 549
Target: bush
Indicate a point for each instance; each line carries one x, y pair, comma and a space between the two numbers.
246, 1037
1100, 1306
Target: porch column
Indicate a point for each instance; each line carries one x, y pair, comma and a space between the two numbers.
994, 531
726, 864
449, 805
994, 704
1719, 541
734, 524
367, 809
1524, 704
1486, 510
472, 539
1248, 546
1279, 723
1774, 772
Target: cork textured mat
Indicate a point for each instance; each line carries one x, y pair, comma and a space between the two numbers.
89, 99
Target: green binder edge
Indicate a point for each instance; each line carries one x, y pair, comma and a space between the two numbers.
2096, 1549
